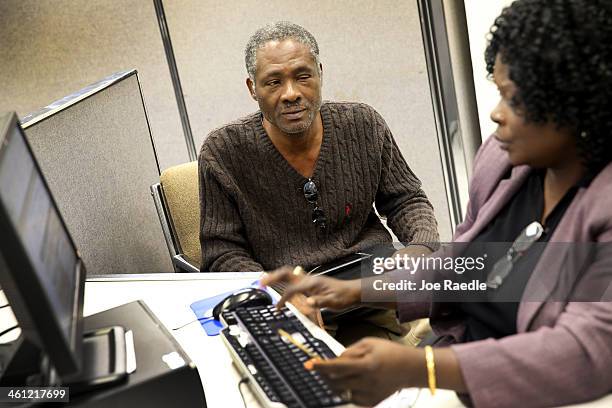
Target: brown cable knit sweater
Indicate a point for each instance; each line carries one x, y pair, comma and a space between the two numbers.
253, 212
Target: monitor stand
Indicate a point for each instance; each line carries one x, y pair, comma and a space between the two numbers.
107, 357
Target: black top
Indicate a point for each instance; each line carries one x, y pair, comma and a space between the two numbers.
495, 316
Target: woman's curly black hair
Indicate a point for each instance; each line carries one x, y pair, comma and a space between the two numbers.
559, 55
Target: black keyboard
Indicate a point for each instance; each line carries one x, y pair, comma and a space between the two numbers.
275, 364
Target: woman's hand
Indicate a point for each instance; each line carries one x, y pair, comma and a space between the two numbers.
311, 312
372, 369
321, 291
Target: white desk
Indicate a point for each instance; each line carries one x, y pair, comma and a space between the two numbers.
169, 296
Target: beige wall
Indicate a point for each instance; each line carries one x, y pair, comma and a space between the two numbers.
371, 52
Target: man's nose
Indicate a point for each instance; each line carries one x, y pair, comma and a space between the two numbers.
290, 92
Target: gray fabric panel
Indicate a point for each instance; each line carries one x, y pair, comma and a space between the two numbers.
98, 160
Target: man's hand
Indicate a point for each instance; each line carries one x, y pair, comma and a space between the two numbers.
321, 291
372, 369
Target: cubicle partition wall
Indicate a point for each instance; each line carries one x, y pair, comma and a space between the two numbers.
96, 151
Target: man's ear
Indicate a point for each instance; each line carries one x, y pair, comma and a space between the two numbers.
321, 73
251, 87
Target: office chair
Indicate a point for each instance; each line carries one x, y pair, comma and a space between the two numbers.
177, 200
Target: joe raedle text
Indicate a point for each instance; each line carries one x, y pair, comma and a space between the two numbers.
446, 285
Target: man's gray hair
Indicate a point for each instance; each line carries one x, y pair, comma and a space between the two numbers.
278, 31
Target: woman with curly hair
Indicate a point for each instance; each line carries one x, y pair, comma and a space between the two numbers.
544, 176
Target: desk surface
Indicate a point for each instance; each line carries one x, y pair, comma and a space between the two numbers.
169, 296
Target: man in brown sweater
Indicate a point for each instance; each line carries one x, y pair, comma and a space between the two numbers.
295, 182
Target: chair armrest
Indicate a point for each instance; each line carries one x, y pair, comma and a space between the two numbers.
181, 264
163, 220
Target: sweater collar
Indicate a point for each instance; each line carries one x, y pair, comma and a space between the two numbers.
328, 129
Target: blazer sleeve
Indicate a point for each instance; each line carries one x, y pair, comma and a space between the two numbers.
565, 363
410, 307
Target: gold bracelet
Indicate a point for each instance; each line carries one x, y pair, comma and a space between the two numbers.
431, 369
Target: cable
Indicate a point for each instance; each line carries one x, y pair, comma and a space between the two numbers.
186, 324
6, 304
201, 319
416, 398
244, 380
3, 332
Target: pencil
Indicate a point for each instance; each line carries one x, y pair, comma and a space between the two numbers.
289, 337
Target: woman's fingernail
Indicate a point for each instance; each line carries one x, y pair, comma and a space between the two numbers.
309, 364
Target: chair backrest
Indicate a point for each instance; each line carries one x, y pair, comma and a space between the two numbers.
179, 186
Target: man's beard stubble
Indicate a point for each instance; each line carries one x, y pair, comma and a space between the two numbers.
300, 131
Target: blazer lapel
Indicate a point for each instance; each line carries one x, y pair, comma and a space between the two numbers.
545, 277
502, 194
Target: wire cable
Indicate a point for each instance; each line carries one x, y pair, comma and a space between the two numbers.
201, 319
6, 304
10, 329
244, 380
416, 399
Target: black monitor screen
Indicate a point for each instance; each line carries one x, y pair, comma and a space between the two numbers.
34, 221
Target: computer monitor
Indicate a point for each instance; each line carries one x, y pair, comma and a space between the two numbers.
40, 270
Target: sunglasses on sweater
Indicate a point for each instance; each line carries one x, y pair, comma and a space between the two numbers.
521, 244
311, 194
